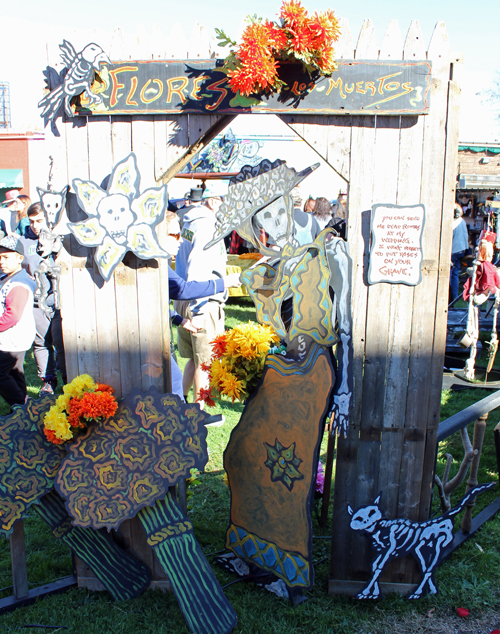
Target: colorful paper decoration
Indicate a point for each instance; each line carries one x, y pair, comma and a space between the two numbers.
125, 467
120, 219
426, 541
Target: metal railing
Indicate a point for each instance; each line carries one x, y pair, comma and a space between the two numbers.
478, 414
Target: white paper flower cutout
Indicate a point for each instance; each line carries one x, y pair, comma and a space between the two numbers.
119, 219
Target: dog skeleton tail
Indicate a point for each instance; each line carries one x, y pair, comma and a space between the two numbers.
477, 490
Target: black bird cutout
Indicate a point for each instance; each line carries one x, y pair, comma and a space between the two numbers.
77, 79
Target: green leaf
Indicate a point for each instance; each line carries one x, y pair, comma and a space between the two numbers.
224, 39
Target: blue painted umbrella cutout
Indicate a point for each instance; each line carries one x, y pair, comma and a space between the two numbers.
120, 219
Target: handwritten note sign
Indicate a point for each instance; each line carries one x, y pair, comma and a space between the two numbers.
396, 249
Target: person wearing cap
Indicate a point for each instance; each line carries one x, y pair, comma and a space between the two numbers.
194, 263
17, 323
179, 289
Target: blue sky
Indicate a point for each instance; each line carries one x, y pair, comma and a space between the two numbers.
473, 30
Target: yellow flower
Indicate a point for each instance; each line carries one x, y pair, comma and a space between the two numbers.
62, 402
79, 385
232, 387
58, 423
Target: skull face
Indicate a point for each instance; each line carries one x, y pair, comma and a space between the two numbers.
274, 220
116, 216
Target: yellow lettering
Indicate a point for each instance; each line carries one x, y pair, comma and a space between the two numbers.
144, 99
370, 85
336, 84
116, 85
131, 92
196, 87
347, 89
359, 87
176, 90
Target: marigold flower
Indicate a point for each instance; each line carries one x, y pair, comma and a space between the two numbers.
75, 413
102, 387
95, 405
57, 423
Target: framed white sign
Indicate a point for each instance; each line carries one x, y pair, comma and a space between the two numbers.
396, 245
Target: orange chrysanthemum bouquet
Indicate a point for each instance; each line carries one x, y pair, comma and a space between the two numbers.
238, 361
83, 402
253, 67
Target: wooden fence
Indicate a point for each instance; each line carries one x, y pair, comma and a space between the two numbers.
118, 331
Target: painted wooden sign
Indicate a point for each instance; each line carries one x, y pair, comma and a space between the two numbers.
396, 249
173, 87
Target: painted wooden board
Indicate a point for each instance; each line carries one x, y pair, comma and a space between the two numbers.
359, 86
396, 246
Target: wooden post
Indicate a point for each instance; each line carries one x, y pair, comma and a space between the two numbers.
18, 561
497, 449
477, 446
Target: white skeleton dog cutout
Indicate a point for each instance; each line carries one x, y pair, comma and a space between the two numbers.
426, 541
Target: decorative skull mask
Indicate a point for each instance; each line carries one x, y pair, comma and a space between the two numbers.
53, 203
274, 220
116, 216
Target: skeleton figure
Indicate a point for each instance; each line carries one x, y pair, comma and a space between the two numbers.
426, 541
48, 274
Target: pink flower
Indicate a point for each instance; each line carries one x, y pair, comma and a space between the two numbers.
463, 612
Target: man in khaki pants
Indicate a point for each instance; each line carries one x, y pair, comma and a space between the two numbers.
193, 263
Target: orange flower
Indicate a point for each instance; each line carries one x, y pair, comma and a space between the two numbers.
51, 437
75, 412
206, 395
292, 13
102, 387
96, 405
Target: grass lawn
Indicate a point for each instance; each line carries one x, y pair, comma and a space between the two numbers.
470, 578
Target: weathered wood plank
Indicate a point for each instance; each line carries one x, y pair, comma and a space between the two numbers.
419, 409
386, 156
18, 561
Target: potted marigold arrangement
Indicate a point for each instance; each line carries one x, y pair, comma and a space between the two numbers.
253, 66
83, 402
238, 361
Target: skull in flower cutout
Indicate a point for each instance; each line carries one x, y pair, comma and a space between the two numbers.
120, 219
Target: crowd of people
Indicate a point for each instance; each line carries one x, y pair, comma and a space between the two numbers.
26, 318
198, 285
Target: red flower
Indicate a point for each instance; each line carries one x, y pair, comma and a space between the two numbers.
219, 343
206, 396
206, 367
463, 612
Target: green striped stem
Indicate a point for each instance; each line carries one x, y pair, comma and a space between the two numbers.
123, 576
200, 597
